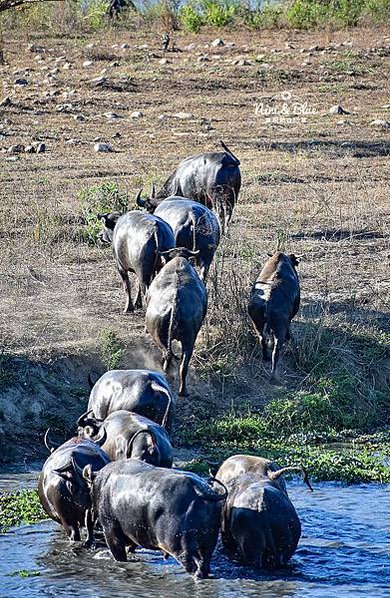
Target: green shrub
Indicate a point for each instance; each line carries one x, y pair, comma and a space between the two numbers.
266, 17
190, 18
218, 13
112, 349
99, 199
379, 10
305, 14
96, 12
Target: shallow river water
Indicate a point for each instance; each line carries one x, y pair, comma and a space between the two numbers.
344, 552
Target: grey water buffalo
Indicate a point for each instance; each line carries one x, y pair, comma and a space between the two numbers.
194, 226
259, 521
274, 301
213, 179
136, 239
170, 510
63, 493
141, 391
176, 307
130, 436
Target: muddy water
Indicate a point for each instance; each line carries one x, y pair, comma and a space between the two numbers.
344, 551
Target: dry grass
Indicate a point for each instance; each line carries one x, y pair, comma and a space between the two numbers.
318, 187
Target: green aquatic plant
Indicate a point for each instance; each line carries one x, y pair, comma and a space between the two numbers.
21, 506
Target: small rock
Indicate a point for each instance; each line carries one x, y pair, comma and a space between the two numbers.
125, 46
143, 47
203, 58
20, 82
136, 114
6, 102
99, 81
7, 121
90, 46
64, 108
217, 42
12, 158
66, 66
380, 122
190, 47
111, 115
72, 141
102, 147
260, 57
288, 46
87, 64
164, 61
183, 115
16, 149
29, 149
79, 117
337, 110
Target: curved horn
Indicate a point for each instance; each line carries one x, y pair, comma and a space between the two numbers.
46, 441
153, 191
83, 419
225, 490
100, 438
273, 475
158, 388
140, 202
146, 431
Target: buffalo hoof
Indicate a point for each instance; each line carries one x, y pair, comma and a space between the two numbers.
184, 393
129, 309
89, 544
274, 380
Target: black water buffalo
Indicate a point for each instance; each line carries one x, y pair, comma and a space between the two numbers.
130, 436
213, 179
141, 391
63, 493
259, 521
273, 302
176, 307
194, 226
136, 239
161, 509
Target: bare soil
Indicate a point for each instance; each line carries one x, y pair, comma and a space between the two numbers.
317, 183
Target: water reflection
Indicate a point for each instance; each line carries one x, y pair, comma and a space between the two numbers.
344, 550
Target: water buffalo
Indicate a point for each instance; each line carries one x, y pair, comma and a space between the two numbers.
194, 226
213, 179
130, 436
141, 391
176, 307
259, 521
136, 239
161, 509
273, 302
63, 493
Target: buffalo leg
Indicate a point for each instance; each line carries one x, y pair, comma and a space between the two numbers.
72, 531
204, 271
126, 285
183, 371
138, 301
89, 542
278, 346
117, 547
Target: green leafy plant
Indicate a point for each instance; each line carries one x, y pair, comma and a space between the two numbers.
99, 199
112, 349
18, 507
190, 18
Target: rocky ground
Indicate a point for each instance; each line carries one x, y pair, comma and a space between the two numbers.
308, 116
